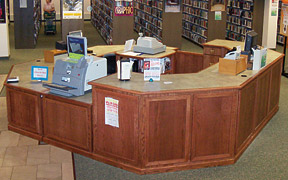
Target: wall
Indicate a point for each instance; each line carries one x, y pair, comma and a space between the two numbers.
269, 26
57, 8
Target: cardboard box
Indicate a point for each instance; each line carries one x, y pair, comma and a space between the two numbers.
232, 67
49, 54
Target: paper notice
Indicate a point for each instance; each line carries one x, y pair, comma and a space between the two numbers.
111, 112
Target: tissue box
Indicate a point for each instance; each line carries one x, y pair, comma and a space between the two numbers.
232, 67
49, 54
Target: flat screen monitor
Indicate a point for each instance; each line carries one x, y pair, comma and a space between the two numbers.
75, 33
250, 41
76, 47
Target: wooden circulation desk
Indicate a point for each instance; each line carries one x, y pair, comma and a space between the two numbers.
198, 120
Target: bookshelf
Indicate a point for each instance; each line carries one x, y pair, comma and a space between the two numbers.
113, 29
27, 23
280, 38
199, 24
195, 20
151, 19
239, 19
244, 16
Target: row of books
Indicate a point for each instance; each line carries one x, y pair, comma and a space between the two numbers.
196, 12
146, 32
193, 37
196, 4
195, 29
154, 3
195, 20
150, 10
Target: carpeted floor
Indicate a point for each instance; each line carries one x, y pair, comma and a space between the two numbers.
266, 157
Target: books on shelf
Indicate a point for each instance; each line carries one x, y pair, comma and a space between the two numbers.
239, 19
195, 20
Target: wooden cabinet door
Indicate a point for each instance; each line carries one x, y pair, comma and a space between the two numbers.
121, 142
167, 126
214, 118
67, 122
24, 110
187, 62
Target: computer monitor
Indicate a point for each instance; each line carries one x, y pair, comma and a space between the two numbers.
250, 41
76, 33
76, 47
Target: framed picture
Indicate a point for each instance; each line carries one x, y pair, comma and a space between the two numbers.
2, 12
218, 5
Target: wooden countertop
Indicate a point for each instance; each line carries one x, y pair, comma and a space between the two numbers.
208, 78
23, 70
168, 52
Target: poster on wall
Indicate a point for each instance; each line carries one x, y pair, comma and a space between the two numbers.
123, 8
173, 6
274, 7
218, 5
72, 9
2, 11
284, 20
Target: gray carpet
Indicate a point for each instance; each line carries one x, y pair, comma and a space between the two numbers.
266, 157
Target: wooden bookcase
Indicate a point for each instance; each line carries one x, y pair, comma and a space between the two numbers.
244, 16
151, 19
199, 24
27, 23
113, 29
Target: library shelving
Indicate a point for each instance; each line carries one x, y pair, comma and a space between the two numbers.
199, 24
280, 38
195, 20
27, 23
151, 19
244, 16
113, 29
239, 19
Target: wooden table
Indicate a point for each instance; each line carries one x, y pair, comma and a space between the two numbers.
184, 121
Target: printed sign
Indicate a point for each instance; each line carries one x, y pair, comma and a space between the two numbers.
39, 73
152, 69
72, 9
123, 8
284, 20
172, 5
2, 11
111, 112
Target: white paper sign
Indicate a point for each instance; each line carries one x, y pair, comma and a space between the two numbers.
111, 112
23, 3
152, 69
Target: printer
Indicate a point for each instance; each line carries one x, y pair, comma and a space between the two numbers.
70, 78
148, 45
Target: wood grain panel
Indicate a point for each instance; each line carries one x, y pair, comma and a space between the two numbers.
120, 143
187, 62
214, 117
209, 60
167, 131
246, 113
261, 111
275, 86
24, 110
67, 123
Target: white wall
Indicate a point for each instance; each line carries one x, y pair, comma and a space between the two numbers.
269, 26
87, 14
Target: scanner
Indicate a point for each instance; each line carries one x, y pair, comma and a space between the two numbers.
71, 77
148, 45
